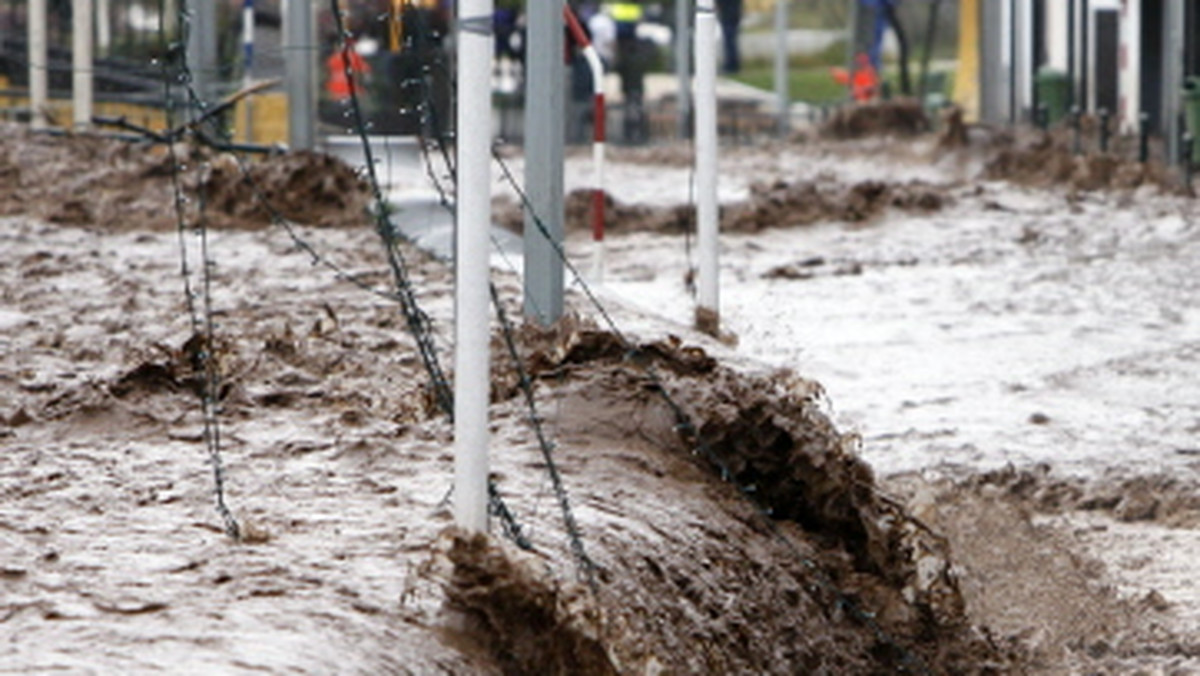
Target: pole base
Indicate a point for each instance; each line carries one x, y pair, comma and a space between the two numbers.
708, 321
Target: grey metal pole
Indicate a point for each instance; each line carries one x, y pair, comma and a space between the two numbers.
1084, 60
202, 48
1172, 75
300, 73
545, 121
782, 95
993, 106
1012, 62
683, 65
1071, 74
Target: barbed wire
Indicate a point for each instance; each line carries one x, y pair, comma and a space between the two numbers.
690, 434
203, 350
429, 113
418, 322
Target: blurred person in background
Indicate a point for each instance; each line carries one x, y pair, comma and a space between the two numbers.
729, 14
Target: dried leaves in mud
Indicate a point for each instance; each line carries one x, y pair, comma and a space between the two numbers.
748, 538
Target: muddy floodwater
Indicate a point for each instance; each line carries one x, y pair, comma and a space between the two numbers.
950, 426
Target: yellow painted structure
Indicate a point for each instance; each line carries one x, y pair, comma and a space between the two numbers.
966, 78
269, 124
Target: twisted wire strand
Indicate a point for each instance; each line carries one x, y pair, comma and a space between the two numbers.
585, 567
201, 318
688, 431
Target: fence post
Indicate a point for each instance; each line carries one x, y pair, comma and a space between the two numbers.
38, 87
81, 63
471, 351
202, 49
545, 101
299, 69
248, 66
708, 311
782, 95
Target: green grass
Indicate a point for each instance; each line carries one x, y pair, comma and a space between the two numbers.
809, 75
813, 84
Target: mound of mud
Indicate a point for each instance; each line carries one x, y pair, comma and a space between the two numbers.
783, 204
304, 186
1058, 609
836, 578
776, 205
618, 216
122, 185
884, 118
1159, 498
522, 619
1048, 161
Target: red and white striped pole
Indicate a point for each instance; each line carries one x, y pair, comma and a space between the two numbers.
597, 68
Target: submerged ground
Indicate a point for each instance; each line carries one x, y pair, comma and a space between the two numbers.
955, 434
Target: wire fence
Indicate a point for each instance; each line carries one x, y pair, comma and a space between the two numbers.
194, 117
391, 55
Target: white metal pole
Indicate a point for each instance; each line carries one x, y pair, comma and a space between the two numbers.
81, 63
248, 65
38, 88
471, 373
708, 313
103, 26
782, 95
